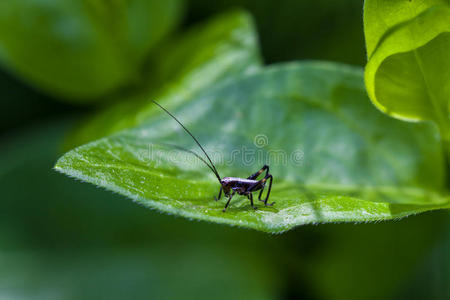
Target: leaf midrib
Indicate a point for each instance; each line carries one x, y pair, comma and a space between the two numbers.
313, 186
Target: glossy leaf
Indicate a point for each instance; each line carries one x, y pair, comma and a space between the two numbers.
408, 43
333, 156
196, 60
81, 49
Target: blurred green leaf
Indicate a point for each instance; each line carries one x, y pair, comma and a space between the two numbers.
184, 66
333, 156
81, 50
407, 75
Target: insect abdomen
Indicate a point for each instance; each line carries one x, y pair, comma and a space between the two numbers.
238, 182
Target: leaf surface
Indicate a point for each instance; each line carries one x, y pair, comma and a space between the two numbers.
333, 156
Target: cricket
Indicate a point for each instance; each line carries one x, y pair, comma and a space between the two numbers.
232, 185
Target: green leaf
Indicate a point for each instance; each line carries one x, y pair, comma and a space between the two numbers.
333, 156
115, 241
81, 50
408, 43
184, 66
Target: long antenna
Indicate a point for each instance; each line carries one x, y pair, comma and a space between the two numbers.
198, 143
191, 152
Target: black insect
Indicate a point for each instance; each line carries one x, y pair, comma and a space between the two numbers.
232, 185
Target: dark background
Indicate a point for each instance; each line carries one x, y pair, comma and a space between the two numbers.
63, 239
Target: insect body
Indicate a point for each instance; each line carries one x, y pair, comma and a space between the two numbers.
232, 185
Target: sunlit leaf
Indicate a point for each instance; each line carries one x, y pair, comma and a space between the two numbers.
81, 49
333, 156
408, 43
201, 58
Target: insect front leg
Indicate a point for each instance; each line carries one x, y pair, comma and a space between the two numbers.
220, 195
228, 202
264, 168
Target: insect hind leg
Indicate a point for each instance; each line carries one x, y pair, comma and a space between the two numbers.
261, 182
261, 185
260, 194
269, 177
255, 175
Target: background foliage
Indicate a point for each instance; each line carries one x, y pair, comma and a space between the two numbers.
62, 239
